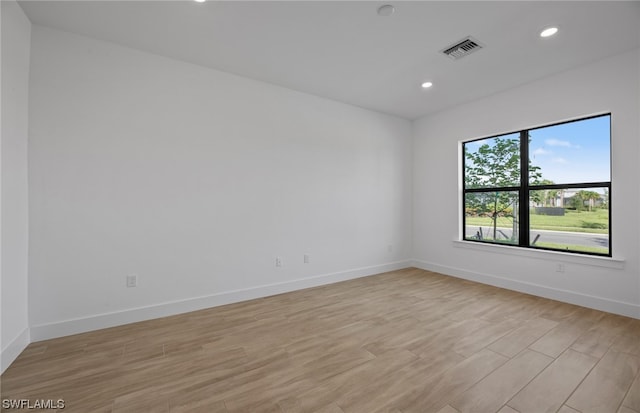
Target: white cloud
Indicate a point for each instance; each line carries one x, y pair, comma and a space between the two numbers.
558, 142
541, 151
559, 160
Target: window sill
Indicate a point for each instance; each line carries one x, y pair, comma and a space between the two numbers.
607, 262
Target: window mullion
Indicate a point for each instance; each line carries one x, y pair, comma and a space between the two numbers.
523, 199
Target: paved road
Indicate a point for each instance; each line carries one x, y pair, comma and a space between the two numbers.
556, 237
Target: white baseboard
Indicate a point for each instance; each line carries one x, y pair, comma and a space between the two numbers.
99, 321
571, 297
13, 349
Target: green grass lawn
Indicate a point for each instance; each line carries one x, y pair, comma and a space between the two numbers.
572, 221
580, 248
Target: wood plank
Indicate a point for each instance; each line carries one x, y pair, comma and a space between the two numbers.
516, 341
632, 400
567, 409
437, 391
475, 341
551, 388
198, 406
330, 408
597, 340
348, 389
629, 339
558, 339
448, 409
379, 394
607, 384
497, 388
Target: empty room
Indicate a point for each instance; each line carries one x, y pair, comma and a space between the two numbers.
320, 206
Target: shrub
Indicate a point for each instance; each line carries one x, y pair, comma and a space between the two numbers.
593, 225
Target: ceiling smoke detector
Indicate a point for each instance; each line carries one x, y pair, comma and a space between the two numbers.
462, 48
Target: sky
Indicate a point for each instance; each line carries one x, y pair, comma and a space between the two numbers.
572, 152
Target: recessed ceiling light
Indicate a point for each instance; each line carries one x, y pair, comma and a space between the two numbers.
427, 85
549, 32
386, 10
199, 1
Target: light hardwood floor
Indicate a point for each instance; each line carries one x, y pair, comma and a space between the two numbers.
404, 341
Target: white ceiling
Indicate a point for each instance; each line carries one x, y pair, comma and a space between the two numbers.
346, 52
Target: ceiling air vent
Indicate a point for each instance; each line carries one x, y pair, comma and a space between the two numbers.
462, 48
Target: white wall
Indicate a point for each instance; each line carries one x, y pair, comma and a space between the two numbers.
16, 34
196, 180
608, 85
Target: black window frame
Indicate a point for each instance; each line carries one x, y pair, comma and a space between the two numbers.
523, 189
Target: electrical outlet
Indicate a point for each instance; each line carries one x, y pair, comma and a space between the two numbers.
559, 267
390, 248
278, 262
132, 280
306, 258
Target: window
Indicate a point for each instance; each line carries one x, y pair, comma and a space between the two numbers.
546, 188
